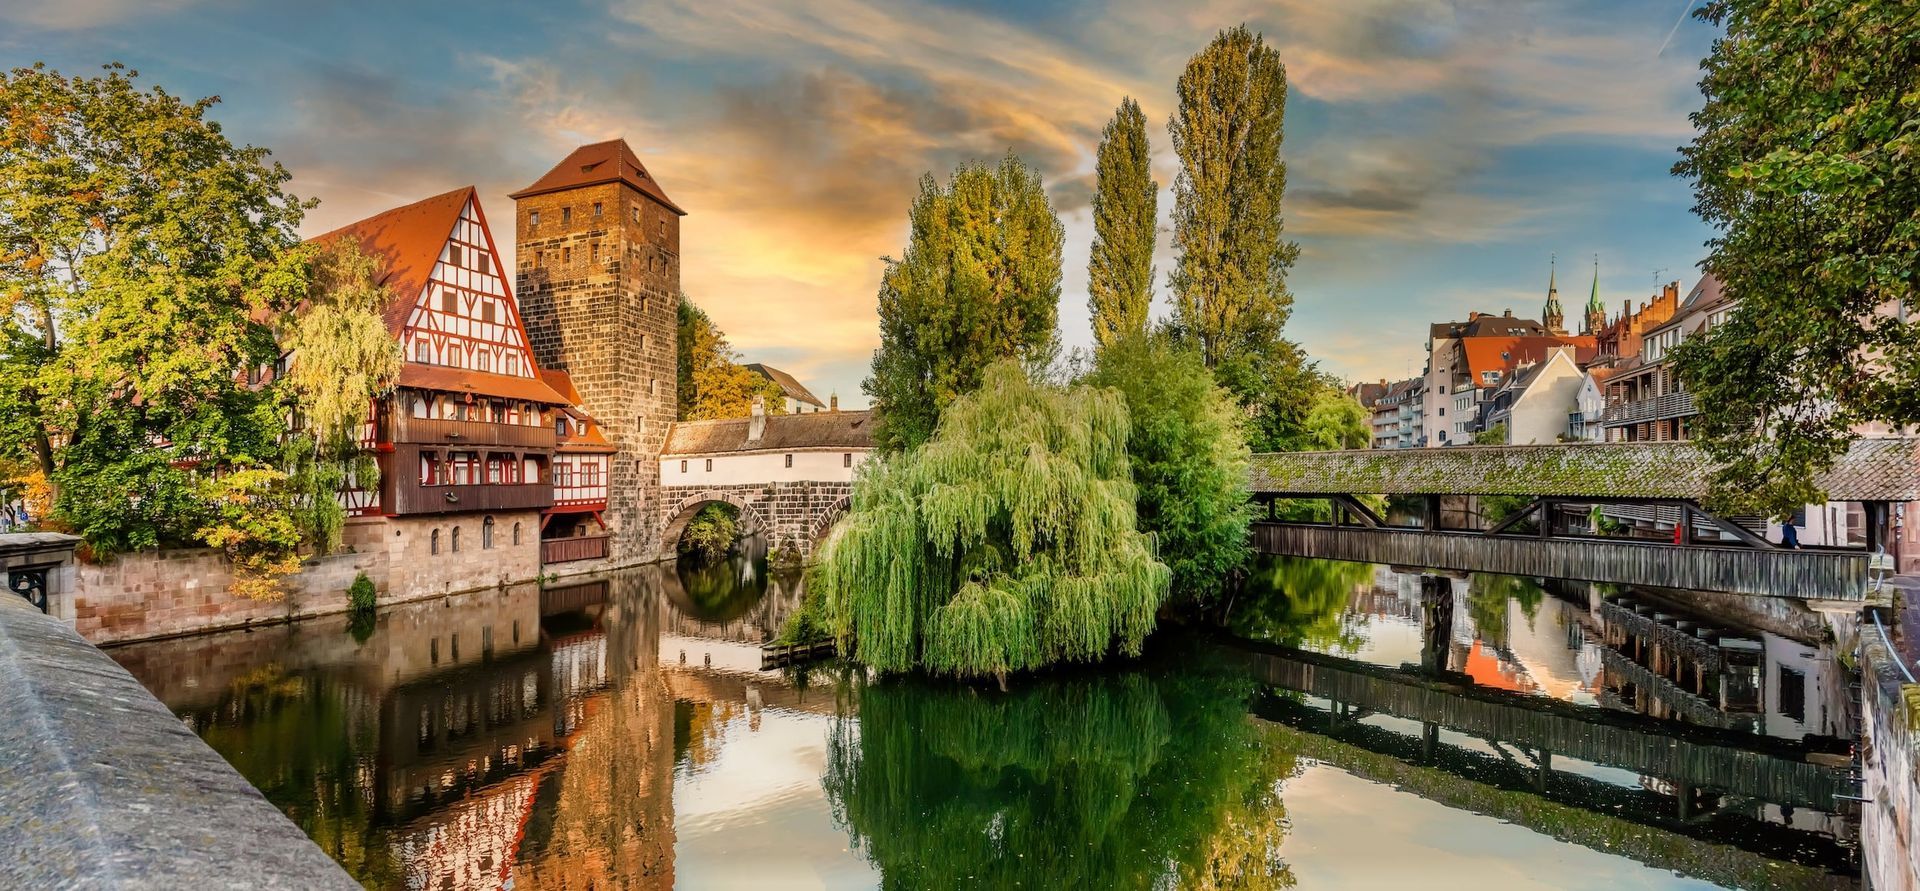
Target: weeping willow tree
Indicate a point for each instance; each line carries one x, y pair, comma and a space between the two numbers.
1302, 602
1134, 780
343, 358
1005, 543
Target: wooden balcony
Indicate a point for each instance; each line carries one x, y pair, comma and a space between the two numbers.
411, 498
567, 550
439, 431
1658, 408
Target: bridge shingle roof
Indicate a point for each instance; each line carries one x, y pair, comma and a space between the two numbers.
814, 430
1877, 469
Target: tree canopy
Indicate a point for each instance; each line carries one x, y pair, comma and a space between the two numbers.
140, 251
1804, 163
1189, 458
711, 381
979, 282
1125, 201
1006, 542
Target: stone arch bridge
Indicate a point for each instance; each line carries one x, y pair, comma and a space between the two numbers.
793, 516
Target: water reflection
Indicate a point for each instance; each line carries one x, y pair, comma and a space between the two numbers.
617, 732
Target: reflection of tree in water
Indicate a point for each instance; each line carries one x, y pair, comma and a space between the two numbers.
309, 746
1302, 601
1127, 781
721, 590
1487, 596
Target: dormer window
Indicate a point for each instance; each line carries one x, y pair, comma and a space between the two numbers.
560, 426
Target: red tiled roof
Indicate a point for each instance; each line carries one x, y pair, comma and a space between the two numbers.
596, 164
408, 241
1503, 353
482, 383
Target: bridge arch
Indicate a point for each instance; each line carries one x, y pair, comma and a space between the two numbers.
752, 518
824, 524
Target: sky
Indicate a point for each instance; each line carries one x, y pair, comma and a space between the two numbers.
1438, 153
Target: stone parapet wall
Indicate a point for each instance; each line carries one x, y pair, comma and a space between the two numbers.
1890, 817
104, 788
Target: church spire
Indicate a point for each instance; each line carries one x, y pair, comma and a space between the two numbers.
1596, 311
1551, 315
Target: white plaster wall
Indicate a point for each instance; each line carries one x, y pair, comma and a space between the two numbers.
751, 468
1541, 414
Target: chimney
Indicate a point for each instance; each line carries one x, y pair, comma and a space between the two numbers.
757, 422
833, 402
1509, 312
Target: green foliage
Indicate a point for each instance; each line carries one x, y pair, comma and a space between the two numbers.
1337, 421
1494, 435
1804, 163
1487, 598
1129, 781
1302, 602
344, 359
360, 594
1189, 458
253, 522
1229, 285
1125, 201
712, 532
1005, 543
1496, 508
712, 383
980, 282
138, 249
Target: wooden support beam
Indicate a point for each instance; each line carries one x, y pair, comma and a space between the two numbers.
1728, 526
1360, 512
1431, 520
1518, 516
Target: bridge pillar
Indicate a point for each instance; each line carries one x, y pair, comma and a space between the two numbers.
1436, 622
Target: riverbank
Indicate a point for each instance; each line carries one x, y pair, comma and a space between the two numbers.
1890, 766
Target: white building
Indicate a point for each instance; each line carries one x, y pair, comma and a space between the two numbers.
1537, 400
799, 399
816, 447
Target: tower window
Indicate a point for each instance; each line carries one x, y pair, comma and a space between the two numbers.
539, 259
636, 213
596, 208
683, 466
566, 256
533, 219
594, 252
663, 225
709, 465
566, 215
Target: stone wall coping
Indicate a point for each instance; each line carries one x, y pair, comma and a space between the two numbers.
102, 787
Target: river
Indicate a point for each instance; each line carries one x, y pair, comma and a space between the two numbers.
1354, 727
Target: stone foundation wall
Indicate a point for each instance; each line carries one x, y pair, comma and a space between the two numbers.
1890, 774
157, 594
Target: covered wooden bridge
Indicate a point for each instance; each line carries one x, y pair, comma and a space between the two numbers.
1562, 485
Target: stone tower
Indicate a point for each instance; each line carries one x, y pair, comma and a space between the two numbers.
599, 287
1596, 311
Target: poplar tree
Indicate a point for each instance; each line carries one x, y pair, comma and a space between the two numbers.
979, 282
1125, 201
1229, 284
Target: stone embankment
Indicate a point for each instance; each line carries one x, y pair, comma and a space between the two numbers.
102, 787
1890, 767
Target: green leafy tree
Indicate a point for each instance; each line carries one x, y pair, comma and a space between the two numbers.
1804, 163
1337, 421
139, 252
711, 532
979, 282
1494, 435
1005, 543
343, 358
1125, 201
254, 521
1189, 458
712, 382
1229, 285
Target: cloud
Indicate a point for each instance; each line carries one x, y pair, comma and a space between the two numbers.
77, 15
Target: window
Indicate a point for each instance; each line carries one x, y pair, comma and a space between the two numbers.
454, 540
429, 470
596, 208
789, 460
709, 465
559, 426
433, 544
566, 215
418, 405
1443, 411
593, 252
539, 259
486, 312
516, 541
653, 386
482, 262
453, 254
533, 219
683, 466
663, 225
846, 460
529, 470
449, 301
1793, 694
486, 534
636, 213
566, 255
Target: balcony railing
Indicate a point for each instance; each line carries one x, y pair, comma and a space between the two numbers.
442, 431
567, 550
413, 498
1658, 408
